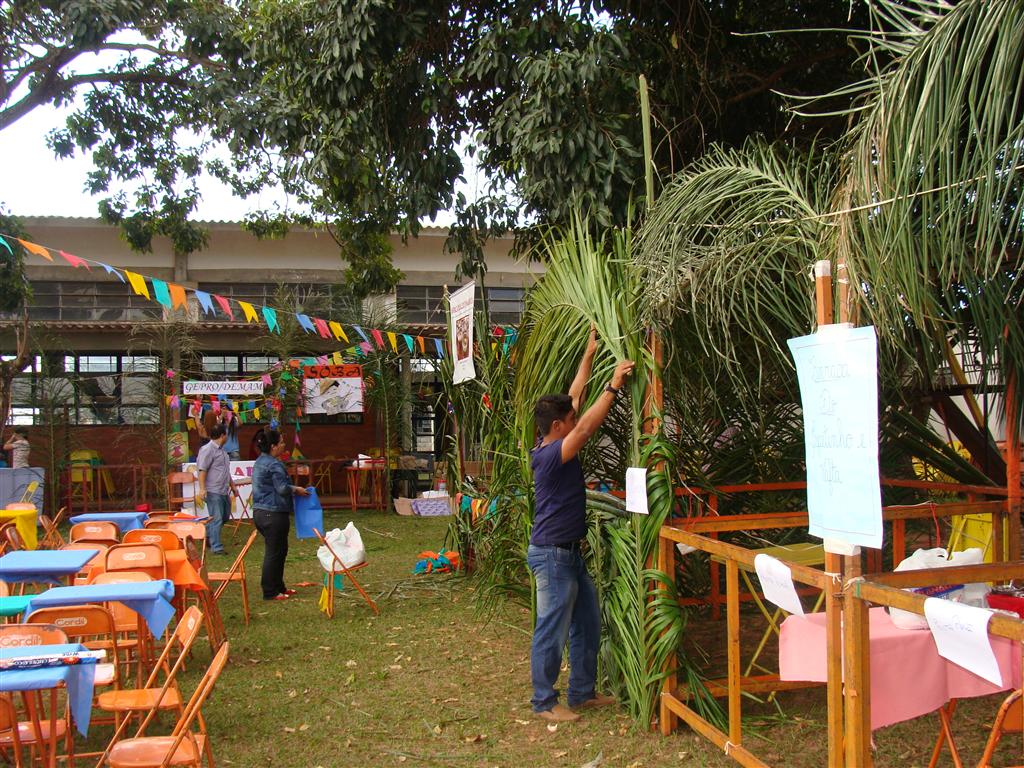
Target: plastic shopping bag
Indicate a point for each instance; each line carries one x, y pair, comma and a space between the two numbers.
347, 545
308, 514
934, 558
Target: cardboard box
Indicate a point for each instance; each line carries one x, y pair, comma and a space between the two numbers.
403, 506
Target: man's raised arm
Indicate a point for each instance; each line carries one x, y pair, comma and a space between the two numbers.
577, 390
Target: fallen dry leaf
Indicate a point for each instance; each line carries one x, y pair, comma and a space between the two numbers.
304, 727
553, 727
350, 663
289, 730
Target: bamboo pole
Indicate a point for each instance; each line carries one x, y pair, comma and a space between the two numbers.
732, 593
666, 718
1013, 459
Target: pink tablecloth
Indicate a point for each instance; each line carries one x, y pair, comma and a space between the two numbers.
908, 677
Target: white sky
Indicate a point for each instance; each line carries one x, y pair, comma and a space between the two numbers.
33, 182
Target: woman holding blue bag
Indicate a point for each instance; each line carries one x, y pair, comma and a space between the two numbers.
272, 506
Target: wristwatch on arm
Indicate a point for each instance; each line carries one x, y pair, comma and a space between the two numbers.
613, 390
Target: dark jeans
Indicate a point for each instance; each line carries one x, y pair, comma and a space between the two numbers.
567, 609
219, 507
273, 526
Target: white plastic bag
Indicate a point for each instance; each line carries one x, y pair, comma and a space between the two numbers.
934, 558
347, 545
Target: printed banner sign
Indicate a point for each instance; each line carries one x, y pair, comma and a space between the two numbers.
461, 320
222, 387
333, 388
837, 368
241, 475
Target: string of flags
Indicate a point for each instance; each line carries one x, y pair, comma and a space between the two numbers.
173, 296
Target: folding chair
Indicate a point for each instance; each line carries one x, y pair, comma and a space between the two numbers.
39, 733
167, 540
243, 504
132, 633
92, 626
235, 573
100, 548
141, 558
52, 538
30, 491
303, 471
183, 746
336, 563
1009, 719
10, 536
151, 695
193, 538
100, 530
177, 484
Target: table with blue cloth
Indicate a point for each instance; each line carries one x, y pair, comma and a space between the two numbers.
78, 678
125, 521
43, 565
149, 599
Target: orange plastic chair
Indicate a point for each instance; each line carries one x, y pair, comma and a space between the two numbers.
183, 746
1009, 719
163, 538
161, 514
335, 566
11, 537
133, 634
236, 573
98, 531
40, 733
177, 482
151, 696
99, 548
142, 558
92, 626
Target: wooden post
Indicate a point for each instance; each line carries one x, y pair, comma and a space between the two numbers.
666, 717
1013, 459
732, 611
833, 565
857, 664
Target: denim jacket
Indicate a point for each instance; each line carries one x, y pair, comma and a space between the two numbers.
271, 487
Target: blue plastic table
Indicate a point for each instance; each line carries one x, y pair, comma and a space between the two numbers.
48, 565
12, 605
149, 599
125, 521
79, 678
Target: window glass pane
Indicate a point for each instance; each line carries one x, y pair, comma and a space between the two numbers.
256, 363
220, 363
139, 364
69, 363
97, 363
140, 415
138, 390
22, 416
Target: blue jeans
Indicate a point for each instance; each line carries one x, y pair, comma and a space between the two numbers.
567, 609
219, 507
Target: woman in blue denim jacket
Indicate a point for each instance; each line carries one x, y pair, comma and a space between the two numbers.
272, 507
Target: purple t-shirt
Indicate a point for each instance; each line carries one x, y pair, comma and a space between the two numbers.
560, 497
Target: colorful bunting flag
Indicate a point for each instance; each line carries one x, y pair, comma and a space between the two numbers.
38, 250
409, 342
225, 305
321, 328
440, 348
306, 323
160, 292
249, 310
205, 302
265, 378
178, 296
362, 335
394, 341
337, 359
112, 271
5, 245
270, 315
138, 283
423, 349
338, 331
74, 261
377, 338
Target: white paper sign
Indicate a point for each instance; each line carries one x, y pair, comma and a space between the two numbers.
777, 583
460, 306
222, 387
344, 395
241, 474
961, 635
837, 368
636, 490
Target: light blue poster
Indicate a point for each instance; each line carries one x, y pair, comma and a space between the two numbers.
837, 369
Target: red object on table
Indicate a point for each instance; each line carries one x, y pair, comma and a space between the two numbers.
1006, 603
908, 677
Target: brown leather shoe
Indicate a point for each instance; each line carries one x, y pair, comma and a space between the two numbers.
558, 714
599, 700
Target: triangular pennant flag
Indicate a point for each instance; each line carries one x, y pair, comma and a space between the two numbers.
138, 283
112, 271
249, 310
265, 378
440, 349
74, 261
423, 349
5, 245
160, 292
394, 341
409, 342
361, 334
178, 296
338, 332
306, 323
38, 250
377, 338
224, 305
321, 328
256, 413
336, 358
270, 315
205, 302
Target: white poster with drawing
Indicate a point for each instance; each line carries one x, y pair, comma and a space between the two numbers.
837, 369
241, 476
333, 388
961, 635
460, 314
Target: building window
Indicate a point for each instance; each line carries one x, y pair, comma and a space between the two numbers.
424, 304
221, 364
55, 301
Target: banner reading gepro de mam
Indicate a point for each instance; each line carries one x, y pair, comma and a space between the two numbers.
460, 306
222, 387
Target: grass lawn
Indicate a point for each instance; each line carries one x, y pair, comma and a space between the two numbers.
430, 682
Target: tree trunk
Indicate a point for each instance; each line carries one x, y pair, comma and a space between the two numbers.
11, 368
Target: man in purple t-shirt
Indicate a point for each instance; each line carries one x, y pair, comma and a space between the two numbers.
567, 606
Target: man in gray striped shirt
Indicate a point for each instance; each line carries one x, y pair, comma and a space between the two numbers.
215, 485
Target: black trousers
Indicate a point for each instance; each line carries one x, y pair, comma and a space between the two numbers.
273, 526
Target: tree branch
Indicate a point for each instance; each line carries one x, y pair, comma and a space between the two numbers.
766, 83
